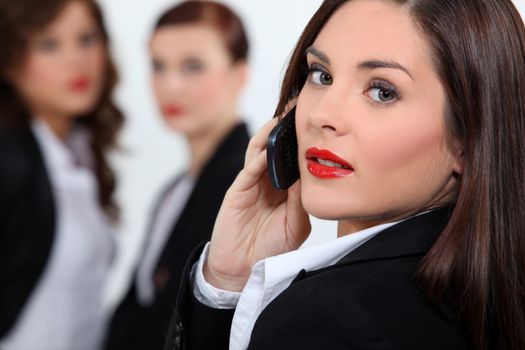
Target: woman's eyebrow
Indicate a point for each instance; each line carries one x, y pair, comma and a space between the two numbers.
319, 54
374, 64
366, 65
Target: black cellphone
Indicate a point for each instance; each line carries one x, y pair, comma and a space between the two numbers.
283, 167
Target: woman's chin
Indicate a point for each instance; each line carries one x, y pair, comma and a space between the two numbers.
321, 211
79, 108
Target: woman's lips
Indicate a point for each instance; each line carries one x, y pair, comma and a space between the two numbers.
326, 165
79, 84
172, 110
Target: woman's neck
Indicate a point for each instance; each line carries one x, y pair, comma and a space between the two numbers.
203, 145
60, 126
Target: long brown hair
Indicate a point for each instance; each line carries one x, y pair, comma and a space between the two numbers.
21, 19
478, 263
214, 14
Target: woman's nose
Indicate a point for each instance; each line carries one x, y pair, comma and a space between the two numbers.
78, 56
174, 82
329, 113
75, 56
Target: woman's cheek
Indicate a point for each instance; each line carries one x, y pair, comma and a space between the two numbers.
391, 149
212, 88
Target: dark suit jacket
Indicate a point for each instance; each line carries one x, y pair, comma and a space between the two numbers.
27, 221
367, 300
138, 327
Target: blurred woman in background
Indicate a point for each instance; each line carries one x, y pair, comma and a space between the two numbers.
57, 123
199, 59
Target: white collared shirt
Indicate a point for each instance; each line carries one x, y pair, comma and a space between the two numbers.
269, 278
64, 310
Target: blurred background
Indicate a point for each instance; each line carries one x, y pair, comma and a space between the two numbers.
150, 153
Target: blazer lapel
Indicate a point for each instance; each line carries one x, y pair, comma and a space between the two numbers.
232, 148
195, 223
414, 236
230, 151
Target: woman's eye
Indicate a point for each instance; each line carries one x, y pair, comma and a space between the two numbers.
157, 66
47, 45
382, 92
319, 76
89, 39
192, 66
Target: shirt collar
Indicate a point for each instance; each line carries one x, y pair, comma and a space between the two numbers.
68, 163
54, 150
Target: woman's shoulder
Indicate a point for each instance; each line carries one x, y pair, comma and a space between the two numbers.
229, 155
16, 142
370, 295
368, 302
20, 156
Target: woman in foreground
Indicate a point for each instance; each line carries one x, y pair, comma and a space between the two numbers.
410, 124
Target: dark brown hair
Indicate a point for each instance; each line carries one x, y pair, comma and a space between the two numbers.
21, 19
216, 15
478, 263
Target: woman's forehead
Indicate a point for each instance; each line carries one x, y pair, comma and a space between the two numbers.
380, 30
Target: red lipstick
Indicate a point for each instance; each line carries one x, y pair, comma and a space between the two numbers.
172, 110
79, 84
326, 165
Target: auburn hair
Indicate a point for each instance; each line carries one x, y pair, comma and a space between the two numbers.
214, 14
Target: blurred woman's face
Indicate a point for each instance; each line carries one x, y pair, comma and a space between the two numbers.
373, 145
195, 82
62, 74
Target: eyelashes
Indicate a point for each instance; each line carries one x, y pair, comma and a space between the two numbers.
90, 38
318, 75
382, 91
377, 90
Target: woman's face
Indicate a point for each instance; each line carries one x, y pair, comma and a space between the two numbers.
63, 71
195, 82
373, 145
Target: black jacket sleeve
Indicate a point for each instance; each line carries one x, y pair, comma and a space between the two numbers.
194, 325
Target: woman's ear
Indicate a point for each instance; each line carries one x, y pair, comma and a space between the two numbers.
457, 167
455, 151
240, 74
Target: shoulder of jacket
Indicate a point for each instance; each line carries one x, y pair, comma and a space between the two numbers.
20, 157
378, 298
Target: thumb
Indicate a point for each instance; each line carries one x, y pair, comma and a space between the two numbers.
298, 222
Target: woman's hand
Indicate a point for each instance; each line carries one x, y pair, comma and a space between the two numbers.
255, 220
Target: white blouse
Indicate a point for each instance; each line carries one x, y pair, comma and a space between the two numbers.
64, 311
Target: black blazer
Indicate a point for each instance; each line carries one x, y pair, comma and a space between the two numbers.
137, 327
27, 221
367, 300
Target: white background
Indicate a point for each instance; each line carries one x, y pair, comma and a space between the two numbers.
151, 154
